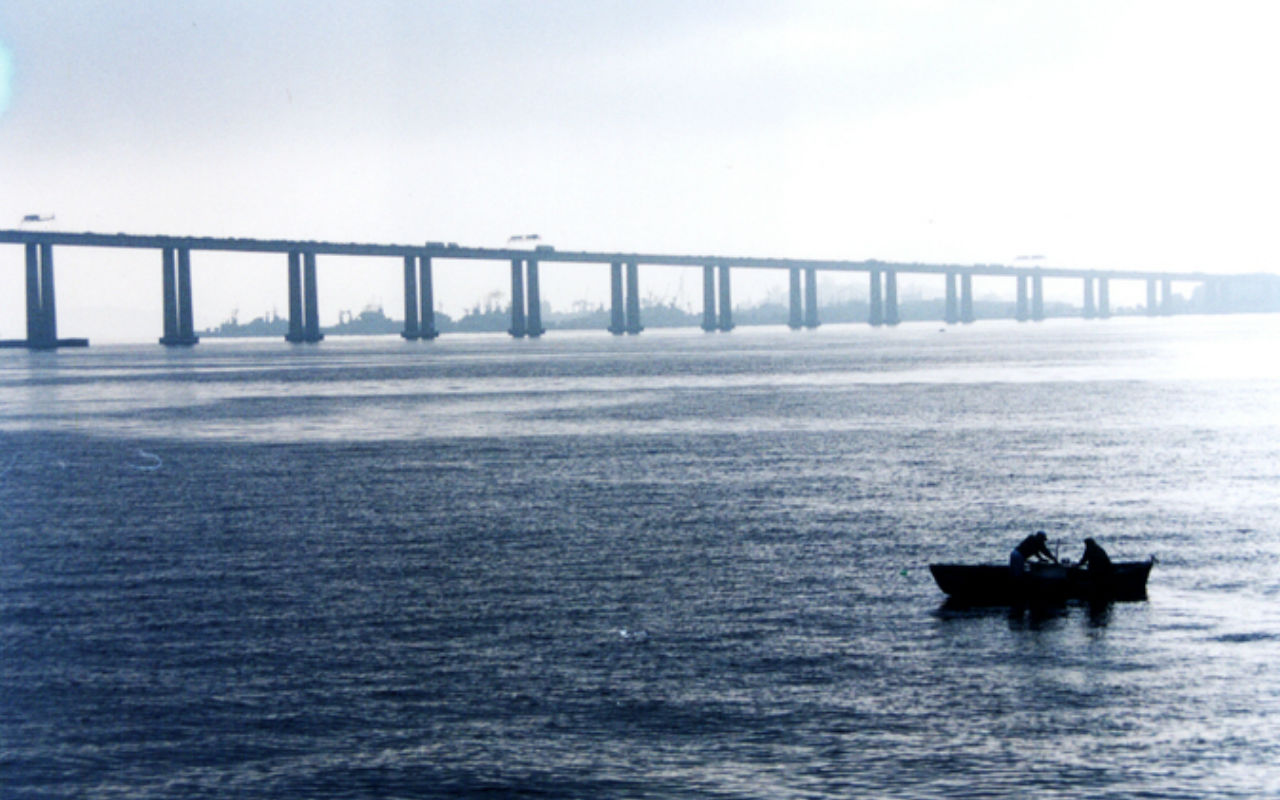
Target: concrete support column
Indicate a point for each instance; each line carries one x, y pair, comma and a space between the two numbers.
1166, 297
186, 314
37, 324
518, 327
1152, 308
875, 314
533, 316
1037, 298
169, 296
726, 300
42, 313
618, 313
1021, 314
310, 294
633, 299
709, 322
1090, 311
952, 315
810, 297
175, 288
48, 306
35, 307
426, 300
795, 320
304, 309
295, 333
1104, 298
42, 317
966, 298
891, 297
410, 298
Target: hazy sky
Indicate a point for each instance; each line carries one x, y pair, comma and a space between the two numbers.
1097, 134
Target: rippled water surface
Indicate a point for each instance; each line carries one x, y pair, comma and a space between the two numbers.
672, 565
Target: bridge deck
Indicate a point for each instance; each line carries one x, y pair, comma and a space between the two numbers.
454, 251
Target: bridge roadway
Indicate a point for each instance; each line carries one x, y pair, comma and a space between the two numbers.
525, 294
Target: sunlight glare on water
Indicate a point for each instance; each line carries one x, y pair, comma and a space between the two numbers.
673, 565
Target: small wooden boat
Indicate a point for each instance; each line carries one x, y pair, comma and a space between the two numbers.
994, 584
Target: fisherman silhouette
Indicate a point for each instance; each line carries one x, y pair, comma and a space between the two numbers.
1096, 559
1034, 546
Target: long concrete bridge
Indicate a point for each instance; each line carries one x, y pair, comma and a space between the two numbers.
526, 317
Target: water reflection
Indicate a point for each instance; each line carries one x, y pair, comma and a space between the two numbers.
1099, 613
455, 606
1096, 614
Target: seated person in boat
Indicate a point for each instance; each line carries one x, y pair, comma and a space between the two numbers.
1034, 546
1095, 558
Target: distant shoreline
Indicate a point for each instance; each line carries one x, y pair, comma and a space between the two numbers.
493, 319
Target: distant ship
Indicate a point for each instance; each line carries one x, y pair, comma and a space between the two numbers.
269, 324
371, 320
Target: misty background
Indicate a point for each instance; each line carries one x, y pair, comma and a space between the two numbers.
1121, 134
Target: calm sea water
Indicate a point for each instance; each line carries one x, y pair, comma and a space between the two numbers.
672, 565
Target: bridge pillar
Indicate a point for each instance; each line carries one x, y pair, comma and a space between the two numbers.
810, 297
709, 323
726, 300
1152, 308
952, 316
410, 298
35, 304
891, 298
795, 321
1021, 313
1037, 298
48, 306
875, 314
186, 317
426, 300
518, 328
633, 298
618, 313
311, 298
295, 298
1089, 310
1104, 298
1166, 297
295, 333
168, 296
533, 316
966, 298
42, 317
175, 285
304, 311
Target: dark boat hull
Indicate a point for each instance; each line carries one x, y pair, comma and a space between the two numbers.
993, 584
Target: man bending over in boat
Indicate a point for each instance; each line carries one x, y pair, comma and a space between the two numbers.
1034, 546
1095, 558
